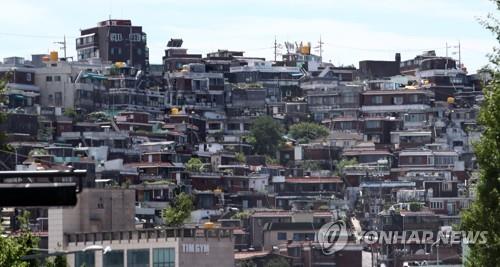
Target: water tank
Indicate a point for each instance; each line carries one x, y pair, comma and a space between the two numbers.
54, 56
209, 225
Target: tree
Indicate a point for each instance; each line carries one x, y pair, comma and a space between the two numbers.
13, 247
3, 83
305, 132
179, 211
484, 213
240, 157
58, 261
277, 262
340, 166
267, 135
194, 165
311, 165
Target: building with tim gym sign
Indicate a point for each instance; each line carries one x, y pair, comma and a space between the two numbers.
172, 247
104, 218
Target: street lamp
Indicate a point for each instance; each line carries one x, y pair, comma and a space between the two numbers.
437, 250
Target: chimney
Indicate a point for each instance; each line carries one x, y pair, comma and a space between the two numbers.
398, 57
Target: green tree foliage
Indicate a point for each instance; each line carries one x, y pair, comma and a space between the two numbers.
57, 261
240, 157
267, 135
194, 165
13, 247
179, 211
311, 165
3, 117
484, 213
305, 132
98, 116
340, 166
277, 262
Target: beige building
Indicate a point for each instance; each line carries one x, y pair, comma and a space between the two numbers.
171, 247
96, 210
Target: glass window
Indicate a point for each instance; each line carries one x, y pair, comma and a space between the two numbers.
138, 258
86, 259
377, 99
282, 236
397, 100
113, 258
115, 37
372, 124
57, 78
48, 78
163, 257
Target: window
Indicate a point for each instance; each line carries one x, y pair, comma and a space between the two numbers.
134, 37
282, 236
57, 78
85, 259
115, 37
309, 236
397, 100
413, 99
436, 205
48, 78
214, 126
138, 258
58, 99
163, 257
113, 258
139, 51
28, 77
372, 124
377, 99
348, 98
233, 126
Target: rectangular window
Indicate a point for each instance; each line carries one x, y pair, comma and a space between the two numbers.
113, 258
48, 78
163, 257
134, 37
413, 99
372, 124
377, 99
138, 258
57, 78
85, 259
233, 126
214, 126
115, 37
397, 100
282, 236
58, 99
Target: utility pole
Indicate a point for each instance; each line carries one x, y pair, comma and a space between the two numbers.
459, 56
63, 43
130, 41
275, 48
320, 45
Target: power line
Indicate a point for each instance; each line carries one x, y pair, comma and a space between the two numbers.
33, 35
383, 50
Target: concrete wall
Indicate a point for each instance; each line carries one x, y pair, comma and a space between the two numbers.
96, 210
